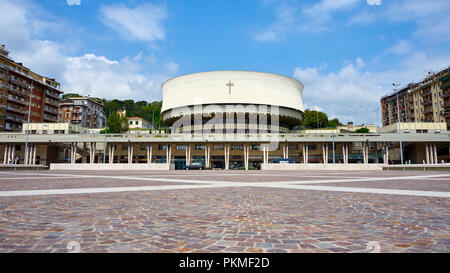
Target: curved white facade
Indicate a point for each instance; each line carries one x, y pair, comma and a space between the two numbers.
225, 90
248, 88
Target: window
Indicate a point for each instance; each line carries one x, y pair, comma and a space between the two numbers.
137, 122
199, 147
131, 122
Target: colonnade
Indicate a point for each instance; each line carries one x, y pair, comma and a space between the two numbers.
29, 155
430, 155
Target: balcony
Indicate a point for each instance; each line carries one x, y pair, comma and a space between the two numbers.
52, 111
23, 102
50, 118
426, 92
16, 91
15, 118
16, 110
53, 103
51, 95
19, 83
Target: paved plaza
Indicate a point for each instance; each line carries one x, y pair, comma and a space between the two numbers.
224, 211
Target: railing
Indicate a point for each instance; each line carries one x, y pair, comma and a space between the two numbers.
54, 103
54, 111
12, 89
52, 95
23, 102
14, 118
17, 110
17, 82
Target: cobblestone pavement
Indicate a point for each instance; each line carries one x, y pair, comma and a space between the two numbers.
224, 211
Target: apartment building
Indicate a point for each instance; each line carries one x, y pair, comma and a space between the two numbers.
84, 111
425, 101
17, 84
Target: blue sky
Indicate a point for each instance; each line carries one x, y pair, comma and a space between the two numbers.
346, 52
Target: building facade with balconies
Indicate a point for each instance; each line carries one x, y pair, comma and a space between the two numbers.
84, 111
425, 101
17, 84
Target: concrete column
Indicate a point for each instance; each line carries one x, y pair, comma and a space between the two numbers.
91, 147
264, 154
209, 156
227, 156
13, 155
72, 153
109, 153
287, 150
30, 155
435, 154
151, 154
387, 154
113, 149
427, 153
169, 147
305, 153
9, 160
6, 153
246, 156
130, 159
83, 155
344, 158
367, 154
149, 158
34, 154
325, 153
346, 153
25, 152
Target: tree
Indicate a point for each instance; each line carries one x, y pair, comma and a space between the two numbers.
70, 95
312, 118
333, 123
362, 131
116, 124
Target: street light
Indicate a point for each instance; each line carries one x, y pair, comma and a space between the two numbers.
398, 122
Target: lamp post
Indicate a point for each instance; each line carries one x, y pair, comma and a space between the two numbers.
28, 124
398, 122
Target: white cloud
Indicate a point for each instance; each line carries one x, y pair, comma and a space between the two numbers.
373, 2
401, 47
360, 62
73, 2
143, 22
290, 18
353, 94
350, 94
136, 77
124, 79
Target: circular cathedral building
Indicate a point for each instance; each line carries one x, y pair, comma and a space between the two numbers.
232, 102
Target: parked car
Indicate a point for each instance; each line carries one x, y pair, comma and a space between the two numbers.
195, 166
282, 160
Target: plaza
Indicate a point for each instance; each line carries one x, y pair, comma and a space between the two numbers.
224, 211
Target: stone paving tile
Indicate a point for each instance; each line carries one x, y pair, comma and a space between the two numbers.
236, 219
419, 185
37, 183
